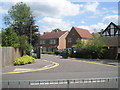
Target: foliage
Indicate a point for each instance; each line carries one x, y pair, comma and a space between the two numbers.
80, 45
10, 38
47, 52
95, 47
24, 45
24, 60
56, 30
92, 49
20, 18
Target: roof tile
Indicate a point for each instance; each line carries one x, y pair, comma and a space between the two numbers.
51, 35
83, 32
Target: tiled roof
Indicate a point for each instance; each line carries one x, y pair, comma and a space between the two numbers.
83, 32
95, 34
52, 35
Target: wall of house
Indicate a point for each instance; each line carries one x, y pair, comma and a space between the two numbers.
74, 36
111, 41
111, 53
48, 47
62, 41
112, 45
9, 54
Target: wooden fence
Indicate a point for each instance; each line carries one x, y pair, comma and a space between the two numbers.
9, 54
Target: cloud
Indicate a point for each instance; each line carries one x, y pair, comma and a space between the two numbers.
90, 7
55, 8
3, 11
49, 23
111, 18
82, 22
95, 27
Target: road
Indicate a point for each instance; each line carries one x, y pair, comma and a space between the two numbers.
67, 69
78, 70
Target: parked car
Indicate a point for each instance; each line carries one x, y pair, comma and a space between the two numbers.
64, 54
58, 52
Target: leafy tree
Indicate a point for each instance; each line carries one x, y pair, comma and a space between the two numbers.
92, 49
56, 30
80, 45
10, 38
101, 32
24, 45
95, 47
20, 18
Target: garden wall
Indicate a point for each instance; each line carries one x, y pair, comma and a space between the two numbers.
9, 54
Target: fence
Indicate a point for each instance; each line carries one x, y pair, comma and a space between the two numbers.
9, 54
63, 83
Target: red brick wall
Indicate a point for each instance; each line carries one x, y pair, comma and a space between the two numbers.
74, 36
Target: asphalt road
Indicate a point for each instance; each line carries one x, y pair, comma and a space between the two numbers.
67, 69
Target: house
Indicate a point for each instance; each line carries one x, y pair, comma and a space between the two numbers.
51, 41
111, 36
77, 34
96, 35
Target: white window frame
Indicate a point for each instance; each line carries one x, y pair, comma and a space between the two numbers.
112, 30
42, 41
69, 40
52, 41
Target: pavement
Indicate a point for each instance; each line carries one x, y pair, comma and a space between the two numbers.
103, 61
37, 65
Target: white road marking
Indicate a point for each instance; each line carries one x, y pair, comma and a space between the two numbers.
22, 69
65, 82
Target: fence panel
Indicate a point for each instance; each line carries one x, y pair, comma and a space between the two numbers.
73, 83
9, 54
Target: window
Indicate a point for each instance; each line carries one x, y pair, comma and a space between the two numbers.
52, 41
42, 41
69, 40
112, 30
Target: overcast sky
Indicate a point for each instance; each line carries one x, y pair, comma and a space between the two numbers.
64, 14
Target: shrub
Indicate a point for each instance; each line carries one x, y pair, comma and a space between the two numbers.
92, 49
24, 60
47, 52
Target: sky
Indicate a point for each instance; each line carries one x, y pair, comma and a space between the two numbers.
64, 14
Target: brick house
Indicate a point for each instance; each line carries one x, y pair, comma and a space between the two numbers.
77, 34
51, 41
111, 36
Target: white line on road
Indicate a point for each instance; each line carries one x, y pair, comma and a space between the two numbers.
65, 82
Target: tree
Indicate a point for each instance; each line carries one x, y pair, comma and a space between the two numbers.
10, 38
95, 47
92, 49
20, 18
24, 45
56, 30
79, 45
101, 32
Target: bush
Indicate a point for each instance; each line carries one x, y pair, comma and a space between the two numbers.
92, 49
48, 53
24, 60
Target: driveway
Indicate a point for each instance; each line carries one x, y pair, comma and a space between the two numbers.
67, 69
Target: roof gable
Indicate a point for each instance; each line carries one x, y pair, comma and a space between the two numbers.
83, 32
118, 27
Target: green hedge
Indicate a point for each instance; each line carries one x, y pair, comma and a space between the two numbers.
24, 60
47, 52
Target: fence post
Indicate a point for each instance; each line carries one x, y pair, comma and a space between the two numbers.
68, 83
